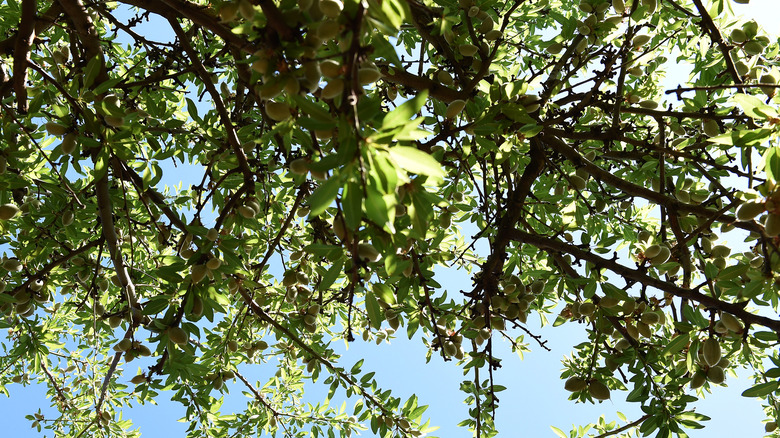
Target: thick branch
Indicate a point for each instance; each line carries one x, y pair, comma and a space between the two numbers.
24, 40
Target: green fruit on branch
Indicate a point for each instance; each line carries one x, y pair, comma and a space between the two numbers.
710, 128
197, 273
698, 379
772, 225
771, 80
711, 351
8, 211
454, 108
367, 251
468, 50
334, 88
177, 335
749, 210
331, 8
598, 390
277, 111
68, 145
716, 375
137, 380
123, 345
214, 263
731, 322
575, 384
662, 256
368, 75
56, 129
640, 40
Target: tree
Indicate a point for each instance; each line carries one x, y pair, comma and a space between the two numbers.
346, 150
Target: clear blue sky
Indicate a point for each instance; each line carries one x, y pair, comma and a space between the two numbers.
534, 400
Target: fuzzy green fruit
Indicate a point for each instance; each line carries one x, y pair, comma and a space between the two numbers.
454, 108
711, 351
749, 210
468, 50
56, 129
367, 251
598, 390
8, 211
177, 335
575, 384
277, 111
710, 127
772, 225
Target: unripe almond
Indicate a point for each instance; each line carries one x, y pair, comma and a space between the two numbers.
454, 108
468, 50
771, 227
8, 211
493, 35
753, 48
445, 78
587, 308
770, 427
277, 111
649, 104
331, 8
56, 129
649, 317
487, 25
768, 79
749, 210
574, 384
228, 12
632, 330
368, 75
698, 379
123, 345
577, 182
710, 128
619, 6
328, 30
137, 380
68, 145
608, 302
368, 252
214, 263
339, 228
114, 121
334, 88
662, 256
212, 234
67, 218
640, 40
177, 335
731, 322
598, 390
711, 351
197, 273
299, 166
716, 375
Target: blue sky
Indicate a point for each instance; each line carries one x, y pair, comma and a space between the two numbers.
534, 400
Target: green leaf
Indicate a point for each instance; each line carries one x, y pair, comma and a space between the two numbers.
374, 311
677, 344
352, 205
558, 432
384, 293
324, 196
403, 114
753, 106
416, 161
761, 390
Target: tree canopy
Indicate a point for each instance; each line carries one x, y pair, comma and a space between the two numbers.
346, 150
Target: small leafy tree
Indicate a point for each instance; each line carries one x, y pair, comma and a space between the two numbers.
344, 150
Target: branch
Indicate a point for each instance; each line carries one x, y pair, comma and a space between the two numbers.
22, 45
711, 29
636, 190
224, 117
635, 275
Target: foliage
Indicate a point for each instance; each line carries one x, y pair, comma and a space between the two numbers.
348, 149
